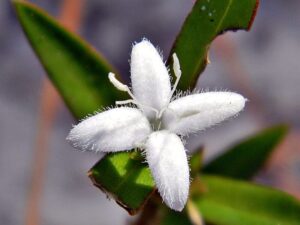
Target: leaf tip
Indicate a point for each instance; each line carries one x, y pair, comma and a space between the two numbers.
18, 3
21, 5
131, 210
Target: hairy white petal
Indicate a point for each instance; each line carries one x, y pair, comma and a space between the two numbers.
199, 111
113, 130
149, 76
167, 160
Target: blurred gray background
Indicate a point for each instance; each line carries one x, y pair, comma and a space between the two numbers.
263, 65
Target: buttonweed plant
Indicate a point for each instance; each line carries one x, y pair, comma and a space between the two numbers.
147, 169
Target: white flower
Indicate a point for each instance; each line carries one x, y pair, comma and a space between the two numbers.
157, 121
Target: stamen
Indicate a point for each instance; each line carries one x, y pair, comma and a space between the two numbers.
112, 78
125, 102
136, 103
162, 111
176, 65
122, 87
177, 72
159, 125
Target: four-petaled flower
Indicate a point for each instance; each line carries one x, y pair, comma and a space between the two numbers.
158, 123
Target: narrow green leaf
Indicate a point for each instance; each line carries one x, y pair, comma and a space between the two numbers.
80, 75
231, 202
207, 20
125, 178
245, 159
77, 71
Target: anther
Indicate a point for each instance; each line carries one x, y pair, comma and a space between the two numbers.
176, 66
177, 72
120, 86
112, 78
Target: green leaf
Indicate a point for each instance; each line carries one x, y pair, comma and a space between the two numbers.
245, 159
175, 218
231, 202
207, 20
80, 75
195, 162
125, 178
77, 71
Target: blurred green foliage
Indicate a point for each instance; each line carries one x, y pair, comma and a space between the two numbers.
245, 159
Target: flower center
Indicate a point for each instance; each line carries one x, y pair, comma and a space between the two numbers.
157, 121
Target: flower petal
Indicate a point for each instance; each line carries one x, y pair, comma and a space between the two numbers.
199, 111
169, 167
149, 76
113, 130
